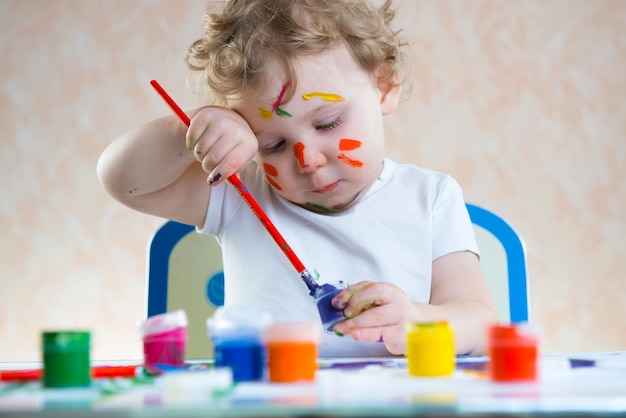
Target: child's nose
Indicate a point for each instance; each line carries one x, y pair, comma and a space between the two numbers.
308, 158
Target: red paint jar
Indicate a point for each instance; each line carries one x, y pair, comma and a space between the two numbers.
512, 353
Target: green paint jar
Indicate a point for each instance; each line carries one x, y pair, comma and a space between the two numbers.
66, 359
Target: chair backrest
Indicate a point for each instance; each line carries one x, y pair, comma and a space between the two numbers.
185, 272
194, 263
503, 260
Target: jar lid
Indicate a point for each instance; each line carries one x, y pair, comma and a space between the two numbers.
66, 341
512, 332
165, 322
292, 332
237, 321
427, 326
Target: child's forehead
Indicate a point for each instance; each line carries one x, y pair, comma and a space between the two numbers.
322, 72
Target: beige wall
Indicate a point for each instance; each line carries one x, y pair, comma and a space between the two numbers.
524, 102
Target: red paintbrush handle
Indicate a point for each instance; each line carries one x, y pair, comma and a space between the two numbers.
267, 223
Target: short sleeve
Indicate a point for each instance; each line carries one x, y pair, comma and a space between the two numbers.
452, 227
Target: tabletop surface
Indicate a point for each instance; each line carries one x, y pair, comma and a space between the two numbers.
589, 383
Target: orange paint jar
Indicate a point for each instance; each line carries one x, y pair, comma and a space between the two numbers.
292, 351
512, 353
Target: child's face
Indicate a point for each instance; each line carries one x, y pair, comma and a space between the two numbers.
324, 148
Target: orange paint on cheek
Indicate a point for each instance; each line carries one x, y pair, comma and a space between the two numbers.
349, 144
270, 169
273, 183
350, 161
298, 151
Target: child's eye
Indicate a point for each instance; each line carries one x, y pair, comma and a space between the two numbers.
273, 148
327, 126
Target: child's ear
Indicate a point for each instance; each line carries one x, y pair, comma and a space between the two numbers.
389, 86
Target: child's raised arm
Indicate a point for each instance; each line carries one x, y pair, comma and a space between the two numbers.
152, 170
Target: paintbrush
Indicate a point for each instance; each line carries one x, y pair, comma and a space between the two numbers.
322, 294
250, 201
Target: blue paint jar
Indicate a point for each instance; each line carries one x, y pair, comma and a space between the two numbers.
236, 336
324, 295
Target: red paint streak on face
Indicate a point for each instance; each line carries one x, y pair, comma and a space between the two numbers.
280, 96
350, 161
270, 170
298, 151
273, 183
348, 144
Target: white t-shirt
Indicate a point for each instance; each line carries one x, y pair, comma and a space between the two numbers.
408, 218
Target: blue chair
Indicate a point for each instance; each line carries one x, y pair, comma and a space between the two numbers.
503, 259
195, 261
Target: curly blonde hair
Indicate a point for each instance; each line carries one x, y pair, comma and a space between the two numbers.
240, 41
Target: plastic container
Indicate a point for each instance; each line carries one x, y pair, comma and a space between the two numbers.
323, 296
430, 349
292, 351
66, 359
236, 336
164, 340
513, 353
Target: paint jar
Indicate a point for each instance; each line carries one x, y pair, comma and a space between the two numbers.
291, 351
324, 295
164, 340
430, 349
236, 336
512, 353
66, 359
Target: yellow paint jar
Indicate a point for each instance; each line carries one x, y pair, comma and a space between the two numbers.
430, 349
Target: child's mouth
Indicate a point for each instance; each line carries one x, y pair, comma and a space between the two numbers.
327, 189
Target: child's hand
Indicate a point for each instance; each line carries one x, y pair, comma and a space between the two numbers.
376, 312
222, 141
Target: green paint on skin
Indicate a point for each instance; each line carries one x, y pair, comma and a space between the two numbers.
320, 207
360, 307
283, 113
337, 333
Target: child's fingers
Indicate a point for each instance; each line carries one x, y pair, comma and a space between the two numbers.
369, 295
223, 162
392, 336
379, 316
199, 128
340, 301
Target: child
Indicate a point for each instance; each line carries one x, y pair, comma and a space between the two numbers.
300, 89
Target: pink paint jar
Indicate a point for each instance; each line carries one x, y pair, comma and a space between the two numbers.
164, 340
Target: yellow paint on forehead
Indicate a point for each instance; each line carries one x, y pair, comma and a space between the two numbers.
265, 113
327, 97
